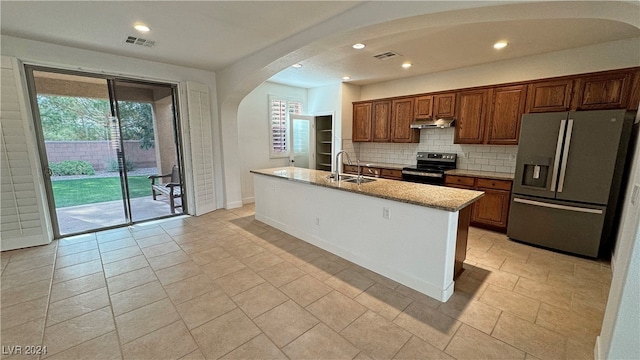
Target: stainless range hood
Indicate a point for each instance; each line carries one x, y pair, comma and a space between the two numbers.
431, 123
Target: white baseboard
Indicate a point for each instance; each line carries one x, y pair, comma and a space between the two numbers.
234, 205
248, 200
596, 350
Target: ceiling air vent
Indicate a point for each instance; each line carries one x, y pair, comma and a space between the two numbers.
139, 41
386, 55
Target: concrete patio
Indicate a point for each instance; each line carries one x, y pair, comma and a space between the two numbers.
81, 218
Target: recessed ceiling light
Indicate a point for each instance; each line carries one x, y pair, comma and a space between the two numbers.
297, 66
141, 27
358, 46
406, 65
500, 45
346, 77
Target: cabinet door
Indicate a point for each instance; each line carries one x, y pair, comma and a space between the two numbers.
607, 91
381, 121
444, 105
548, 96
505, 114
391, 174
492, 209
471, 110
423, 107
362, 122
401, 119
634, 97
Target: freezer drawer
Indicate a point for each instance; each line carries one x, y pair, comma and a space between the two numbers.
557, 225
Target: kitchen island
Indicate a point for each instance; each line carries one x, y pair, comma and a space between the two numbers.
412, 233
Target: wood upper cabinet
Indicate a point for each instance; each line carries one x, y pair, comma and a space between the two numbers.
546, 96
401, 119
381, 121
423, 107
472, 112
605, 91
362, 121
444, 105
507, 105
634, 98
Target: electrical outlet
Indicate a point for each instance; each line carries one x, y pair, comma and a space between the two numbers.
512, 157
634, 194
465, 155
386, 213
318, 221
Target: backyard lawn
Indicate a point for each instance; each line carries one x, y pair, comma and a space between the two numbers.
95, 190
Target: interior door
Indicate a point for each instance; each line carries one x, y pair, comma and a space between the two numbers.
590, 155
303, 152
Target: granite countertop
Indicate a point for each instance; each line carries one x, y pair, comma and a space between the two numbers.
482, 174
438, 197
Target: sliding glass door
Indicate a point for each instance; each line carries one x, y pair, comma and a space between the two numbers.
101, 139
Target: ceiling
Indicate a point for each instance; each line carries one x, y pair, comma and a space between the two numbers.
214, 35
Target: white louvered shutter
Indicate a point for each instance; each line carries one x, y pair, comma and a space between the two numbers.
201, 140
22, 216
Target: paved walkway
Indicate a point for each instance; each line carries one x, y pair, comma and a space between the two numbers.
81, 218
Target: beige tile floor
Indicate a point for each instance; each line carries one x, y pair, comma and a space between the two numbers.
226, 286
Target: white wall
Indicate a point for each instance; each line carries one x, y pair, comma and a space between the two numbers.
45, 54
253, 131
600, 57
621, 325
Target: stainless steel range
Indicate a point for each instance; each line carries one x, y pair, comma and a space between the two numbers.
430, 168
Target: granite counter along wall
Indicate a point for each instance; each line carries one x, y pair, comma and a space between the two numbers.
499, 158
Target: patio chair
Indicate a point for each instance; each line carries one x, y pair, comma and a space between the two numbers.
172, 189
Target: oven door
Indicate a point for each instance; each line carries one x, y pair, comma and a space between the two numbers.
423, 177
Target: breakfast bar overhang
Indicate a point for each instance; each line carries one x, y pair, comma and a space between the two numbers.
414, 234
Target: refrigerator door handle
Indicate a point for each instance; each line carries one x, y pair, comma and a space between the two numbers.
556, 160
565, 155
557, 206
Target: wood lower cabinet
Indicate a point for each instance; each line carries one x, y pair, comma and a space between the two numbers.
547, 96
401, 119
471, 114
362, 121
505, 114
385, 173
607, 91
492, 210
381, 121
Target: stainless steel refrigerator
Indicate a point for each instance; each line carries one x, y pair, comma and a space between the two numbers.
569, 171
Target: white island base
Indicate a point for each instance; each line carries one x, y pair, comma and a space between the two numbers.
414, 245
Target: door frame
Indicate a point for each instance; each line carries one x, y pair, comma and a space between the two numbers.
31, 93
312, 137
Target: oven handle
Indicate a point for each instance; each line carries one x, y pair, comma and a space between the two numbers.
418, 173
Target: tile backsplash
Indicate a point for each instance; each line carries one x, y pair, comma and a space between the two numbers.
500, 158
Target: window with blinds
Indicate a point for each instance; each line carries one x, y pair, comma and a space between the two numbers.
279, 124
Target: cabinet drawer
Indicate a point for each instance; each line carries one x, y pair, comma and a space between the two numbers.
391, 173
494, 184
370, 171
459, 180
351, 169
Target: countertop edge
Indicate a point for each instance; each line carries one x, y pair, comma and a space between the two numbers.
380, 196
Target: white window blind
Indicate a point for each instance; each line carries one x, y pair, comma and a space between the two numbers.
22, 219
201, 141
279, 124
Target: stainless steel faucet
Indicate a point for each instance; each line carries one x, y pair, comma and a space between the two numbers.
336, 174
